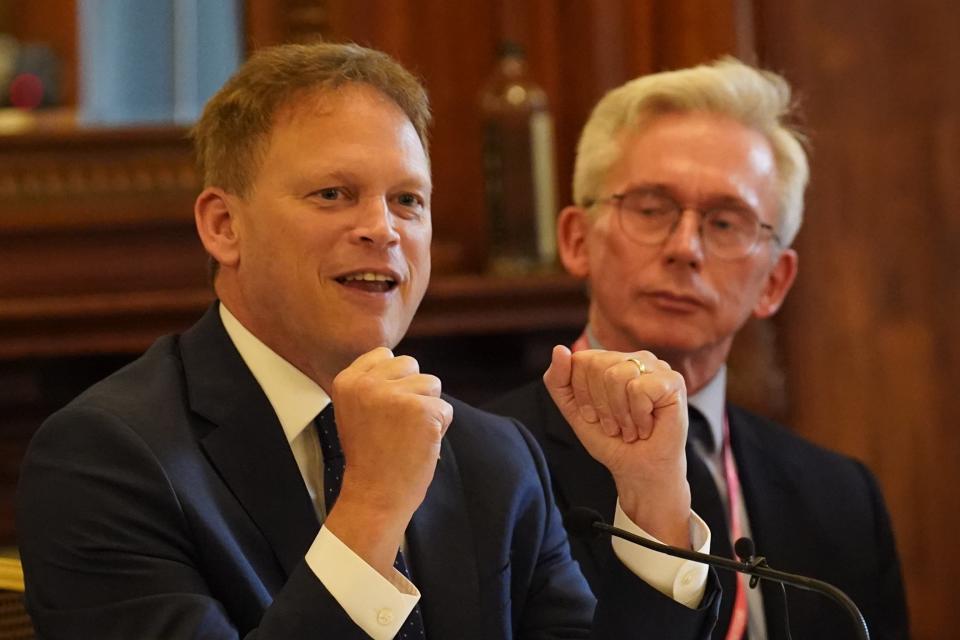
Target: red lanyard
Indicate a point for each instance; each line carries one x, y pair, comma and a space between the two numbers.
739, 617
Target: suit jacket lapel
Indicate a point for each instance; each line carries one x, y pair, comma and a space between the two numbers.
246, 443
768, 496
443, 556
578, 481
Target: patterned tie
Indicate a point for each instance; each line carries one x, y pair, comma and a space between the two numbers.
705, 500
333, 465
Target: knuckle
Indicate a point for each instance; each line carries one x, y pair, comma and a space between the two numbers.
433, 383
581, 358
408, 363
610, 375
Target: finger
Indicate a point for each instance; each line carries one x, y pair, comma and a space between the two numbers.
440, 414
558, 380
617, 378
446, 416
641, 406
371, 359
580, 383
395, 368
421, 384
557, 376
597, 379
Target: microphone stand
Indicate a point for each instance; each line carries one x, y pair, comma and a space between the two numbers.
755, 568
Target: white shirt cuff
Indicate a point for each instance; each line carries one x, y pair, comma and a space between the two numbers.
378, 606
683, 580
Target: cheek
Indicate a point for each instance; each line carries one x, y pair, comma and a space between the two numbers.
739, 291
613, 257
416, 248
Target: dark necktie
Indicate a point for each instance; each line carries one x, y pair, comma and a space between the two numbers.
333, 465
705, 500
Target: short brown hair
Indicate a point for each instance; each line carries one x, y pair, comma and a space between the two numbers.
230, 135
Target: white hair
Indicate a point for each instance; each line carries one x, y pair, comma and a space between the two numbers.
757, 99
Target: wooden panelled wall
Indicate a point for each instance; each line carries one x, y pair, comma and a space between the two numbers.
576, 50
870, 333
869, 347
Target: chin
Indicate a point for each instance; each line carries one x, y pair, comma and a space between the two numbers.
668, 338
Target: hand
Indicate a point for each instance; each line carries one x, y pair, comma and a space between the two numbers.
633, 423
391, 420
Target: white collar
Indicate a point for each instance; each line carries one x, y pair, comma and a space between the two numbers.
296, 399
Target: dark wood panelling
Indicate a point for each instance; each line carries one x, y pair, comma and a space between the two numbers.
871, 336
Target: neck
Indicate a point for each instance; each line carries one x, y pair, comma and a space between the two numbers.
697, 369
319, 372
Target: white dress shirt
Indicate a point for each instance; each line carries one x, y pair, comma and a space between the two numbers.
377, 605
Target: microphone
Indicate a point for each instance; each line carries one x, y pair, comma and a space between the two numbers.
587, 523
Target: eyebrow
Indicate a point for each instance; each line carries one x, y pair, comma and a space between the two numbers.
710, 202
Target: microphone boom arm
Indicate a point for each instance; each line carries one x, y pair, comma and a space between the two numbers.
750, 569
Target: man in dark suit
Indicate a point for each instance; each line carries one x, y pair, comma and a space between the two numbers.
689, 191
209, 489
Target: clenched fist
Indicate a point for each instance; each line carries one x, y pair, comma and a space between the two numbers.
630, 412
391, 420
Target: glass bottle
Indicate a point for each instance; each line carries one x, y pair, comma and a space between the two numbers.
518, 163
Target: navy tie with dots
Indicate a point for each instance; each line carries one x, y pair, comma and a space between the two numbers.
333, 465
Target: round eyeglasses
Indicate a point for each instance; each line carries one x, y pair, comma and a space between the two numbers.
649, 217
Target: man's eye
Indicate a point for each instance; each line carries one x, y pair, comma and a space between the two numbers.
654, 212
411, 202
331, 193
729, 220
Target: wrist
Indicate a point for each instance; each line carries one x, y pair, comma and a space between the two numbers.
663, 513
370, 530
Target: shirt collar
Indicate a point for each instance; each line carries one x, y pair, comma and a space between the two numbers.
296, 399
711, 400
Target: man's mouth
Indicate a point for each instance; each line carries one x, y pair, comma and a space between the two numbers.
368, 281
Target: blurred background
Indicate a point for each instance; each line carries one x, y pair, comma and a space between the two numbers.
98, 255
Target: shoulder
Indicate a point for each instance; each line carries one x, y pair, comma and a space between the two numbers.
794, 456
138, 406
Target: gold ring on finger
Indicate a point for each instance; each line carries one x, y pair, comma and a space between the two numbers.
641, 368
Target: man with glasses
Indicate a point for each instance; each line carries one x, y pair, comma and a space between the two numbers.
688, 191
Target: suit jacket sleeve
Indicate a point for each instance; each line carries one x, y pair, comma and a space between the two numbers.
108, 553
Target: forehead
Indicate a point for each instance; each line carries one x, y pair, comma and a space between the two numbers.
352, 122
698, 155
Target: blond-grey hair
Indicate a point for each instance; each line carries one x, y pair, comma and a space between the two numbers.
758, 99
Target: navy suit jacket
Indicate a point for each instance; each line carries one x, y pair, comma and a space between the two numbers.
812, 512
165, 502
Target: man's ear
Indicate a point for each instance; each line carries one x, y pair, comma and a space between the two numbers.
573, 224
778, 284
217, 226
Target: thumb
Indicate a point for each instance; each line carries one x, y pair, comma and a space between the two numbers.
557, 378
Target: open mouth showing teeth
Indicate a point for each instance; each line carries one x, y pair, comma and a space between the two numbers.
368, 281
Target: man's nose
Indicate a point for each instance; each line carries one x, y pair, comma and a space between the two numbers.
684, 245
376, 222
